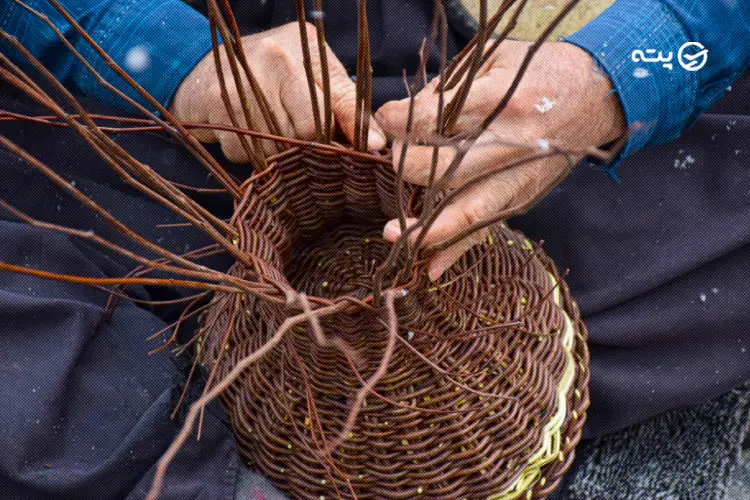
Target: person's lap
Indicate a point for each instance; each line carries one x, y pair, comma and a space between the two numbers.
87, 409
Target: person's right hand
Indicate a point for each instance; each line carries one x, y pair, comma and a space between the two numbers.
275, 58
563, 98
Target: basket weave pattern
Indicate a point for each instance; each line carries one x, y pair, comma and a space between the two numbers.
316, 225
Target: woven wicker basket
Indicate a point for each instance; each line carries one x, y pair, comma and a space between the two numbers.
316, 226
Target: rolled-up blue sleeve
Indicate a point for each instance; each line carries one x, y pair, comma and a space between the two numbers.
659, 102
157, 42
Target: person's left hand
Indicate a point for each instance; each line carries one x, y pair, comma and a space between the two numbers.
562, 99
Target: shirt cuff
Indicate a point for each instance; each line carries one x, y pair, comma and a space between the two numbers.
657, 100
156, 42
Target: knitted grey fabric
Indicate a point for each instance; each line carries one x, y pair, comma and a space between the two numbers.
692, 454
739, 482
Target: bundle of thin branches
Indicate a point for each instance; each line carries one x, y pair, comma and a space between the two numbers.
346, 372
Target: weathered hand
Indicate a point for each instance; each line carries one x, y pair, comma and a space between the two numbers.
275, 58
562, 100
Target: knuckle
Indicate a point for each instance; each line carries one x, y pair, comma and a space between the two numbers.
342, 94
523, 102
267, 42
473, 213
391, 118
305, 129
276, 56
271, 47
383, 114
310, 31
230, 147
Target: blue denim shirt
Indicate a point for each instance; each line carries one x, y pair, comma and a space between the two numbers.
159, 41
660, 102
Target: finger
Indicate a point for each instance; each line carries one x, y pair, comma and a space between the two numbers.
506, 194
392, 230
463, 212
344, 101
231, 144
296, 101
508, 190
477, 204
444, 259
393, 115
450, 222
287, 94
232, 148
486, 152
484, 95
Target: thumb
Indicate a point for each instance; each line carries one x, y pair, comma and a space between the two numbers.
344, 102
469, 208
444, 259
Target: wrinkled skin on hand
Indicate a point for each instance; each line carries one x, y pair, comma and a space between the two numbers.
275, 58
563, 98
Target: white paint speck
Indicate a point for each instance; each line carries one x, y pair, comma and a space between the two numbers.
641, 73
543, 144
703, 297
545, 105
137, 59
684, 164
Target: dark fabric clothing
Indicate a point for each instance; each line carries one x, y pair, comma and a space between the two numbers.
658, 263
86, 408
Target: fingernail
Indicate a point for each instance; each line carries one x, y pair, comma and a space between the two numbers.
391, 230
375, 141
434, 272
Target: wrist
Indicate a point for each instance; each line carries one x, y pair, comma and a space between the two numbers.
597, 93
195, 84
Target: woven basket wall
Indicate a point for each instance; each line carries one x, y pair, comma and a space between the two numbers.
317, 226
